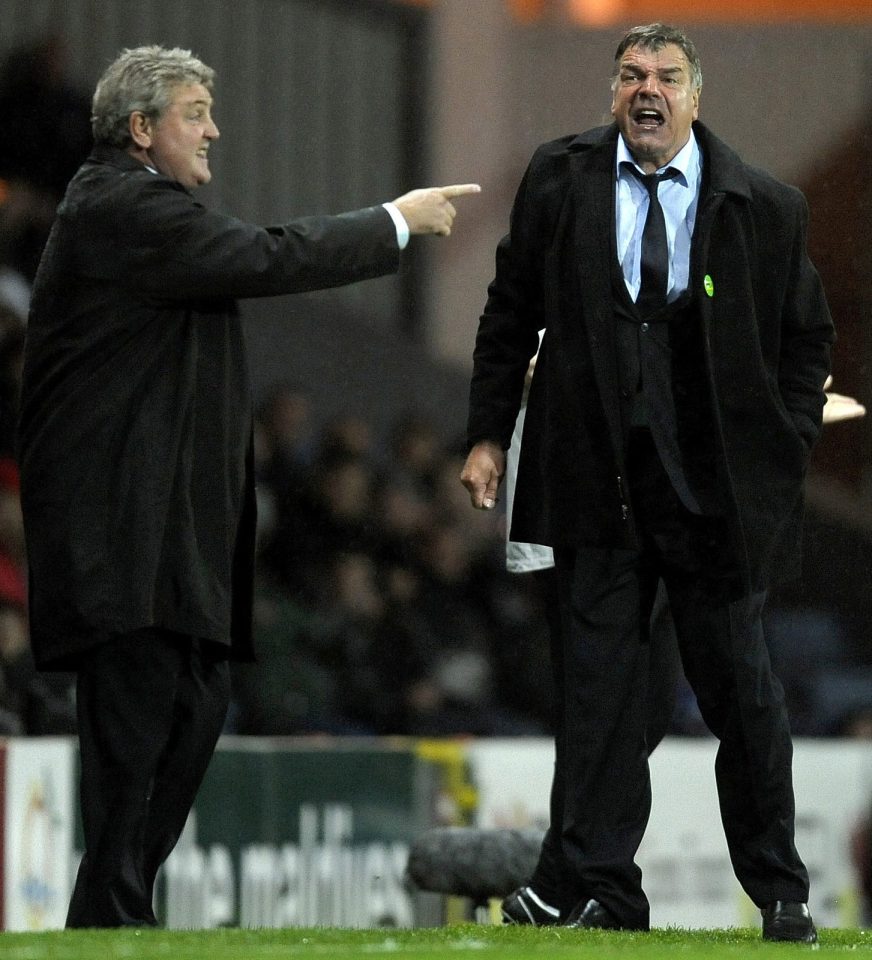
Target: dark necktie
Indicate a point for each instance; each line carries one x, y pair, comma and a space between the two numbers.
655, 251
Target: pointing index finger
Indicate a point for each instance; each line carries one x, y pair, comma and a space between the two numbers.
459, 190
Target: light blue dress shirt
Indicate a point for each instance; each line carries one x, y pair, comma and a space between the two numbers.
678, 198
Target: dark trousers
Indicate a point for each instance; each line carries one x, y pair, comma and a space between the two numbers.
549, 878
151, 705
605, 598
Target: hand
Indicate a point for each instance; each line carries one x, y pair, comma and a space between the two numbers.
839, 407
482, 473
430, 210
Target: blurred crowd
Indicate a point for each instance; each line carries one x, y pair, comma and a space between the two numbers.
383, 605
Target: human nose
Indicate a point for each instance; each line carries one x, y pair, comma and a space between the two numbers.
212, 132
650, 85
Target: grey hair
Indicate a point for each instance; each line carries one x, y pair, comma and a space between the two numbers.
655, 36
141, 79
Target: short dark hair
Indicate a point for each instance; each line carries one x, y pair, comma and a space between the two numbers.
655, 36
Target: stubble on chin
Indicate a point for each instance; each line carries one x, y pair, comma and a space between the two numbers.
643, 150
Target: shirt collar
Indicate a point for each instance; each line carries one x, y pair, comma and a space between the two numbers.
686, 161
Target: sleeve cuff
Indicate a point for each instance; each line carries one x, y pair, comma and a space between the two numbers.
400, 224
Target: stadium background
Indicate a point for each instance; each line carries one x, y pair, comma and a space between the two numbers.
330, 104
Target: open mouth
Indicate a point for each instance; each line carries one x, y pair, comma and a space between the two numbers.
648, 119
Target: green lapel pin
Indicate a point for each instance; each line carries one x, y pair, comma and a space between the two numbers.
709, 285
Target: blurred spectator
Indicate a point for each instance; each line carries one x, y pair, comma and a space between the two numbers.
333, 512
12, 550
285, 418
16, 664
292, 688
349, 435
403, 517
45, 134
855, 724
351, 610
45, 121
416, 452
468, 633
11, 358
29, 703
25, 214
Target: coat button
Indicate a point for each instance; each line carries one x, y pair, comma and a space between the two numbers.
644, 328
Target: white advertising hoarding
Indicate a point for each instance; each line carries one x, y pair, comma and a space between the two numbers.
37, 832
686, 868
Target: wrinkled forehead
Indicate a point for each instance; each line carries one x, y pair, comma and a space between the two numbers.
666, 55
190, 94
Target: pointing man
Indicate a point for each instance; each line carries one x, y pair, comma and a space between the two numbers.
136, 456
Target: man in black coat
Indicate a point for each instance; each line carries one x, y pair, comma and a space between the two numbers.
677, 395
136, 453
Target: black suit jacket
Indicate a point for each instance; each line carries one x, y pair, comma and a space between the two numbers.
135, 433
766, 333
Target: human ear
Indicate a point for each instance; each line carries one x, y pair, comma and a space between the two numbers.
140, 129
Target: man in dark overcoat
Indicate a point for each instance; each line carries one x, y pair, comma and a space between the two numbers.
677, 396
136, 451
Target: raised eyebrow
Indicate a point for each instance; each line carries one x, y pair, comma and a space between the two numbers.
662, 71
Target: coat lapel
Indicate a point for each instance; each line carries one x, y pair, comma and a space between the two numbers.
724, 173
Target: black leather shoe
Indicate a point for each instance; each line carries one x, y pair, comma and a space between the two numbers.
788, 920
525, 907
592, 914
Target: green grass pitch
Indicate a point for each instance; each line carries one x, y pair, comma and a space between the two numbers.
478, 941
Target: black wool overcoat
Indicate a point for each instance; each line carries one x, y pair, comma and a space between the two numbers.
766, 332
135, 430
